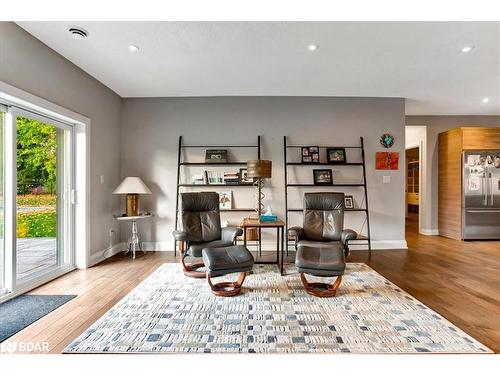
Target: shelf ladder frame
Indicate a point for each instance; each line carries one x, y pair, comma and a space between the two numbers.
287, 146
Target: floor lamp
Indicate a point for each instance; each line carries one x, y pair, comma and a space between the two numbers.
258, 170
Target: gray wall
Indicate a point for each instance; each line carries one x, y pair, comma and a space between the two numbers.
436, 125
30, 65
151, 127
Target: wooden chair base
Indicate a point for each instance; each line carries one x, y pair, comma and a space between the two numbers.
320, 289
227, 288
190, 270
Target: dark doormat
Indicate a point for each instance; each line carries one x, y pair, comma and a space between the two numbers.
18, 313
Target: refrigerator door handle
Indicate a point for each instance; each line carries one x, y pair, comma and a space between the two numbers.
491, 189
483, 186
481, 211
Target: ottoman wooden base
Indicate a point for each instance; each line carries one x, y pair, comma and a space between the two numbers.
320, 289
227, 288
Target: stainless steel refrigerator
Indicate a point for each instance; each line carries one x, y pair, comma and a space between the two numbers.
481, 195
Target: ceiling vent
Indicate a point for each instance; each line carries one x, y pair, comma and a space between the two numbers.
78, 33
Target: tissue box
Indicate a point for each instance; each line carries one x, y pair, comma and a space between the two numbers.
268, 218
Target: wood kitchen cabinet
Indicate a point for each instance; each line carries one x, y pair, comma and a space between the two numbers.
451, 146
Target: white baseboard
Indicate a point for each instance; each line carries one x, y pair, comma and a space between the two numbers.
271, 245
382, 245
429, 232
106, 253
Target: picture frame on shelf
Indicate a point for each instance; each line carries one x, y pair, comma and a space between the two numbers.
243, 176
310, 154
215, 156
225, 199
349, 202
336, 155
323, 177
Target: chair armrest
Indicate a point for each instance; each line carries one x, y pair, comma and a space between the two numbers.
180, 235
230, 233
346, 235
297, 232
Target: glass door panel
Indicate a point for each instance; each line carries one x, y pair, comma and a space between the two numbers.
42, 203
2, 206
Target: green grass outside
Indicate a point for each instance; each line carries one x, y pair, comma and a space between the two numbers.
36, 224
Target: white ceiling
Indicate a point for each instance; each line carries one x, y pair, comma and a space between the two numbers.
418, 61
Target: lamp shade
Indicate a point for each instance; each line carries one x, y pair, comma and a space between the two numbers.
132, 185
259, 168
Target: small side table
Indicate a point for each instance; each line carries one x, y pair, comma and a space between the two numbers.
280, 240
133, 241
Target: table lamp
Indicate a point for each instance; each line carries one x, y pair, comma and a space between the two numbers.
132, 186
258, 170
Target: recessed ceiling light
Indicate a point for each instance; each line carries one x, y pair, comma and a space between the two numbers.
467, 49
486, 100
312, 47
78, 32
133, 48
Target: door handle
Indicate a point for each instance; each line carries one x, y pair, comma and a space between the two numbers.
479, 211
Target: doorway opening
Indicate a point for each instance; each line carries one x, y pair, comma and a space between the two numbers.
412, 168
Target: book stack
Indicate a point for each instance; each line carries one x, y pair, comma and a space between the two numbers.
199, 179
231, 178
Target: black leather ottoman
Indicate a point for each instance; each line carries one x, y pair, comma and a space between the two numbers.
225, 260
326, 261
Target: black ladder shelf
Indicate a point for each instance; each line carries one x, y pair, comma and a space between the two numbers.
184, 164
286, 147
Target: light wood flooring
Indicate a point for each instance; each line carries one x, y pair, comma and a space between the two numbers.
459, 280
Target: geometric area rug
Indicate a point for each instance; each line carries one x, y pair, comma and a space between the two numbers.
171, 313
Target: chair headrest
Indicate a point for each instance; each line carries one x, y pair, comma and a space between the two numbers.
203, 201
324, 201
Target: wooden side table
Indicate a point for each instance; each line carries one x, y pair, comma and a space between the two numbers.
134, 240
280, 237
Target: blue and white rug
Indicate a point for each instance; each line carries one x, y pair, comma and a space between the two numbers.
171, 313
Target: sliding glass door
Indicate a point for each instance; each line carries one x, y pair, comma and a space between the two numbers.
3, 289
36, 216
43, 201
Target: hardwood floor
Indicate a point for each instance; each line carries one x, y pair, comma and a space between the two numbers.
459, 280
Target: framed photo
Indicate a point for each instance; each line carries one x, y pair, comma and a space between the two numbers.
310, 155
225, 199
336, 155
216, 156
243, 176
349, 202
323, 177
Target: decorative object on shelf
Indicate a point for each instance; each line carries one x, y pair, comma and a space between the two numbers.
323, 177
310, 155
243, 176
216, 156
132, 187
268, 216
387, 140
349, 202
225, 199
336, 155
387, 160
258, 170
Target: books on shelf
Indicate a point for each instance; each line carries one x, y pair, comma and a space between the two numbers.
231, 178
217, 178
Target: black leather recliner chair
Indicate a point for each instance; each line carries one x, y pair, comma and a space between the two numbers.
322, 244
200, 217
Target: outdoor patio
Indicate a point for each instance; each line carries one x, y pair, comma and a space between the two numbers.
35, 254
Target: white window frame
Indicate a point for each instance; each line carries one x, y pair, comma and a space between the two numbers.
14, 97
